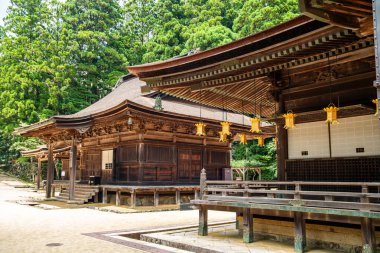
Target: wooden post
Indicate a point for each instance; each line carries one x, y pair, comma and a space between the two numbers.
177, 197
105, 200
50, 170
133, 198
39, 165
299, 232
73, 168
203, 227
247, 226
376, 26
202, 183
156, 198
118, 196
282, 141
282, 150
141, 161
368, 235
196, 194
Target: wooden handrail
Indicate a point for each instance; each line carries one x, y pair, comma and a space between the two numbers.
293, 193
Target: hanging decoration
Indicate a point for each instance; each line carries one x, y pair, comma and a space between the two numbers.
201, 129
226, 127
200, 126
376, 102
222, 137
243, 139
332, 114
261, 141
255, 125
289, 120
331, 110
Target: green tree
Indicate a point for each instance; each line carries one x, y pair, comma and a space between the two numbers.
140, 18
258, 15
252, 155
95, 46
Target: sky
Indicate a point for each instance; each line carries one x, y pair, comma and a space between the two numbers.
3, 9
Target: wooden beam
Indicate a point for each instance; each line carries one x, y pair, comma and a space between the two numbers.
299, 232
263, 72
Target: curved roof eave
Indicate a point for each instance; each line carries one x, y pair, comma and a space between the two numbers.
136, 70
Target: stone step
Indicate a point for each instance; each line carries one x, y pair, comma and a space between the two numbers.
80, 191
74, 201
79, 195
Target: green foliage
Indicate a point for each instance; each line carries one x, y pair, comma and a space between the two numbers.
251, 155
258, 15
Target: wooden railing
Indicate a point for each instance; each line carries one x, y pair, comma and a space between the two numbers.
301, 194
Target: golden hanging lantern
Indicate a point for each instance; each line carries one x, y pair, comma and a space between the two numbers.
222, 137
201, 129
260, 141
376, 102
226, 127
255, 125
289, 120
332, 114
243, 139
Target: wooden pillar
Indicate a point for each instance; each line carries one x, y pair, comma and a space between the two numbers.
247, 226
282, 141
177, 197
368, 235
156, 198
203, 216
299, 232
141, 162
50, 170
105, 200
133, 198
38, 179
118, 197
73, 168
376, 26
282, 150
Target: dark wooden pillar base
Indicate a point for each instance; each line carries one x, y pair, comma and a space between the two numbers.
203, 226
368, 235
299, 232
247, 226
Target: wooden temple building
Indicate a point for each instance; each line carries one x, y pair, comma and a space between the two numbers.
304, 75
129, 143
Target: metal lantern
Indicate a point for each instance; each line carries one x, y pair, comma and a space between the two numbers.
376, 102
201, 129
222, 137
260, 141
289, 120
130, 121
226, 127
255, 125
332, 114
243, 139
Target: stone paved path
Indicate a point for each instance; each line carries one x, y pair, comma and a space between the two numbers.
30, 229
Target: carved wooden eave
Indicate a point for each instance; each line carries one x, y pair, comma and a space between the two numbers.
351, 14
